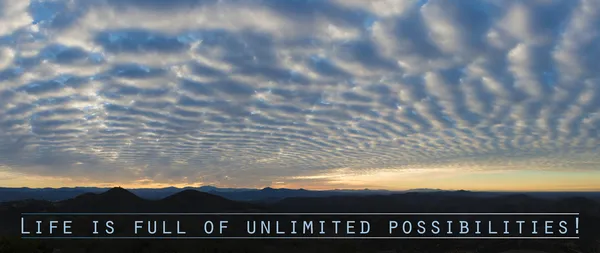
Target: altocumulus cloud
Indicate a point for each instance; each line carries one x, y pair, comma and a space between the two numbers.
246, 93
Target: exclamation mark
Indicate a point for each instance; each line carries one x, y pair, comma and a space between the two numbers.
576, 225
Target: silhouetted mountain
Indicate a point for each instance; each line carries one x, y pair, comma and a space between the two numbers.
50, 194
240, 194
267, 194
197, 201
119, 194
104, 202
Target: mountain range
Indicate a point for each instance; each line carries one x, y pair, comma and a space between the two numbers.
240, 194
267, 194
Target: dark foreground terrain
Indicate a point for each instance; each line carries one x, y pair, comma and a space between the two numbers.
121, 200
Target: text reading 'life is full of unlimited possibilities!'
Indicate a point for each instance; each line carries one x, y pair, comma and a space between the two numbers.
300, 226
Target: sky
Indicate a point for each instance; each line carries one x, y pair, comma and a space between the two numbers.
381, 94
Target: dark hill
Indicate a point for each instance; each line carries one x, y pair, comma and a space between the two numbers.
187, 195
121, 200
197, 201
119, 193
114, 200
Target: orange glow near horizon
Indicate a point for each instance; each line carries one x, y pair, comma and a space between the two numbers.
447, 179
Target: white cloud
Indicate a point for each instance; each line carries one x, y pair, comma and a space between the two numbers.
13, 16
283, 91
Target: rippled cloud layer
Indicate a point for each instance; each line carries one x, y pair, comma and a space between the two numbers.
300, 92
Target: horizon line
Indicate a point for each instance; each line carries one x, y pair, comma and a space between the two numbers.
321, 190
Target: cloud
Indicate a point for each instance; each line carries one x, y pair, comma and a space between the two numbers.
253, 93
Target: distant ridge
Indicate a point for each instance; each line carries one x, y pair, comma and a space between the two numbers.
191, 194
121, 200
267, 194
424, 190
197, 201
240, 194
118, 199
